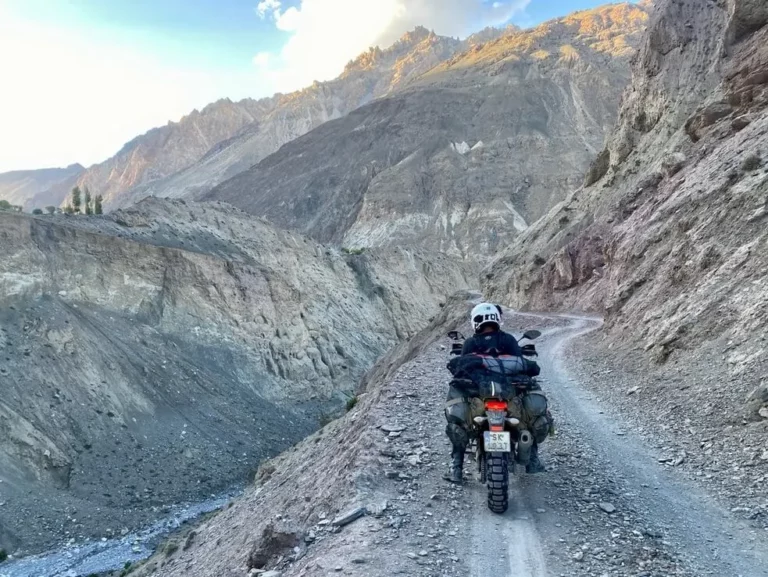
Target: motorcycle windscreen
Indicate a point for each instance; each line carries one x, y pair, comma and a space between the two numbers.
495, 388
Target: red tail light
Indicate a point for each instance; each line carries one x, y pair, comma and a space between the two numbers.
496, 405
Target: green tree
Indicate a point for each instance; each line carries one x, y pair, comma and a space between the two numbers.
69, 209
77, 199
88, 206
98, 205
50, 209
37, 211
5, 205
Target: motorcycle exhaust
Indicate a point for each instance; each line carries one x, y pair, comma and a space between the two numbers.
524, 444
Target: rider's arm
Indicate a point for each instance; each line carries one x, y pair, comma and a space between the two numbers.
509, 346
469, 346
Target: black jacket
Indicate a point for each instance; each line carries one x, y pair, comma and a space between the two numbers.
494, 344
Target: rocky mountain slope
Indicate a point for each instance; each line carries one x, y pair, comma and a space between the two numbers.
38, 188
158, 354
226, 138
668, 237
465, 157
167, 149
669, 240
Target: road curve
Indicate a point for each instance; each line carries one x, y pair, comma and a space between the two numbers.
554, 513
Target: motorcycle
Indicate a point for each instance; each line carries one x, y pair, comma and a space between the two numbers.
496, 435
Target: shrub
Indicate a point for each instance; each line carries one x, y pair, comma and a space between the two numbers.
752, 162
77, 199
326, 419
37, 211
351, 403
50, 209
3, 555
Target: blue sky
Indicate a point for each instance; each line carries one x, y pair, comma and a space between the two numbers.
89, 75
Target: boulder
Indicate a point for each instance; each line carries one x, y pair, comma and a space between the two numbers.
757, 403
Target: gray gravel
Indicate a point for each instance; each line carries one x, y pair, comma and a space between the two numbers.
93, 557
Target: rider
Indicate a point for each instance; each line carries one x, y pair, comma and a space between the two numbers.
489, 339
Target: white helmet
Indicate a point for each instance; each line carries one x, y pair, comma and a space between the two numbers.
484, 314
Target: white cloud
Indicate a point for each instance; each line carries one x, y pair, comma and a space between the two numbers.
326, 34
267, 6
262, 59
289, 21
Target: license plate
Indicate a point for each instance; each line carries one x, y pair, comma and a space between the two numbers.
497, 442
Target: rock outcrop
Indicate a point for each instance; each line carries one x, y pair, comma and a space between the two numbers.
157, 354
32, 189
466, 156
350, 453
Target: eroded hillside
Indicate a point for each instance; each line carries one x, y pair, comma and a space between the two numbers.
158, 354
669, 240
468, 155
669, 236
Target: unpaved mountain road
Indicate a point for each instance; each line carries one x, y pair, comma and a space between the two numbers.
605, 507
660, 524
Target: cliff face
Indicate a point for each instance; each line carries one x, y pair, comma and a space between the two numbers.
467, 155
32, 189
178, 345
669, 237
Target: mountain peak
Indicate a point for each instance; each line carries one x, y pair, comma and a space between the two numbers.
375, 54
416, 35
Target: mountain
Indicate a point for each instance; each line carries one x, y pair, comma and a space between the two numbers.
39, 188
153, 355
668, 237
226, 138
170, 148
467, 155
373, 74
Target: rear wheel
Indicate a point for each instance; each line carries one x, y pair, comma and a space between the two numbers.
497, 467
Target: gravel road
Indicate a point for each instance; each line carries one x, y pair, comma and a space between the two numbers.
605, 507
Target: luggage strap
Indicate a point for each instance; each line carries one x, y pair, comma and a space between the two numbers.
456, 401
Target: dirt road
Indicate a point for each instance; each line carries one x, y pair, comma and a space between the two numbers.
606, 506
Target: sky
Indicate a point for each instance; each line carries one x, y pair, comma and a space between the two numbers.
80, 78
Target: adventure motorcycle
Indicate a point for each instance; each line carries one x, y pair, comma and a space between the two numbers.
498, 404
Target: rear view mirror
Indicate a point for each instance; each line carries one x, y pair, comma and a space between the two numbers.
532, 335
